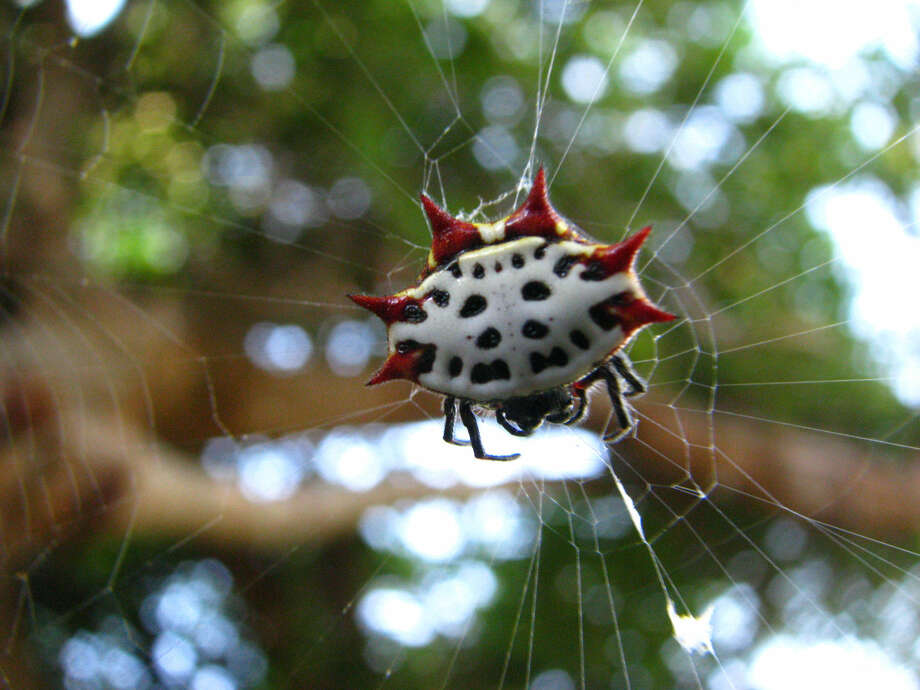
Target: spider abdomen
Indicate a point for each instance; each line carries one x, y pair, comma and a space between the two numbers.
503, 323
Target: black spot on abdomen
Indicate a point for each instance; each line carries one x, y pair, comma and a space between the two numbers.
455, 271
440, 297
601, 315
579, 339
535, 291
454, 367
493, 371
534, 329
426, 360
564, 265
414, 313
488, 339
540, 251
500, 370
539, 361
405, 346
594, 272
475, 304
481, 373
517, 260
478, 271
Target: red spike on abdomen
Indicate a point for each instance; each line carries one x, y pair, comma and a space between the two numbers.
621, 256
536, 216
396, 366
390, 308
640, 313
449, 235
407, 365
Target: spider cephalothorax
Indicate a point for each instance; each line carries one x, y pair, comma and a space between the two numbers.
520, 316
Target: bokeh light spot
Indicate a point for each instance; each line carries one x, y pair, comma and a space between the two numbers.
584, 79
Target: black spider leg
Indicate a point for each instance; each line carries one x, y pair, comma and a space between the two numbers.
450, 413
576, 415
580, 391
560, 417
620, 407
509, 427
625, 369
469, 421
581, 407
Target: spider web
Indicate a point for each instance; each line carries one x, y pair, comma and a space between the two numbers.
198, 491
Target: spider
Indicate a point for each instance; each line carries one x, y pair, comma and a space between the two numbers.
520, 316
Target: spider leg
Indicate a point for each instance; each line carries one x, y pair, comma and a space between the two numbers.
625, 369
508, 426
449, 414
581, 406
469, 421
620, 408
559, 418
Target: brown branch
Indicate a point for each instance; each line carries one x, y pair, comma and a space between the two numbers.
860, 485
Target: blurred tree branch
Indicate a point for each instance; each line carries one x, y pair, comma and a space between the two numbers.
79, 448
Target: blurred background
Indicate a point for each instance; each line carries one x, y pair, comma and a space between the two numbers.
196, 488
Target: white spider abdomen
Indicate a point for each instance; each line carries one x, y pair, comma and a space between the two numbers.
514, 318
